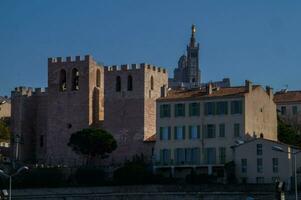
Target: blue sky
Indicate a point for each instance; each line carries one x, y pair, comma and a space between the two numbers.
258, 40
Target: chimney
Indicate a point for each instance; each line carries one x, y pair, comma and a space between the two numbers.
209, 88
163, 91
248, 85
269, 91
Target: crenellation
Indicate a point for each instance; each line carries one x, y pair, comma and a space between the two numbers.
68, 59
59, 59
124, 67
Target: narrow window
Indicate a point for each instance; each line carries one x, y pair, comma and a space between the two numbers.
98, 78
236, 130
63, 78
75, 79
283, 110
210, 131
275, 165
259, 149
222, 155
209, 108
194, 109
295, 110
152, 83
236, 107
222, 130
259, 165
130, 83
164, 110
243, 165
118, 84
180, 110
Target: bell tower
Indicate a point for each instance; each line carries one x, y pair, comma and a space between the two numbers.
193, 73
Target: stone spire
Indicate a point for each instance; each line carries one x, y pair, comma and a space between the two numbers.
192, 39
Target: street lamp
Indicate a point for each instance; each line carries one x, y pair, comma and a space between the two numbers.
280, 149
12, 175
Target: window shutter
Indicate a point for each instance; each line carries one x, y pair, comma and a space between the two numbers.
189, 131
161, 111
169, 133
199, 131
175, 133
205, 134
214, 130
161, 155
161, 133
184, 132
190, 109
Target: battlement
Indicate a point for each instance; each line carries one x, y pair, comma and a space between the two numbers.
29, 91
129, 67
69, 59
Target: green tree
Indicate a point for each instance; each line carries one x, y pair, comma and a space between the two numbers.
4, 129
92, 143
288, 134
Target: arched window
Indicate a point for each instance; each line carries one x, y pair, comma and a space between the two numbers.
98, 78
63, 78
118, 84
75, 79
152, 82
130, 83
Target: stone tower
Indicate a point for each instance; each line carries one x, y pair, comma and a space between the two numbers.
188, 71
75, 101
130, 107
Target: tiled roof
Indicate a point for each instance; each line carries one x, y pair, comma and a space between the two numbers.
288, 96
201, 93
151, 138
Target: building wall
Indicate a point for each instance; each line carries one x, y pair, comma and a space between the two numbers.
261, 115
249, 151
5, 109
130, 115
289, 116
71, 110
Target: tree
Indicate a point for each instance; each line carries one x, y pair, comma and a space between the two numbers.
92, 143
288, 134
4, 129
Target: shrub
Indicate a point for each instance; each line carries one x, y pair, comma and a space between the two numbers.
90, 177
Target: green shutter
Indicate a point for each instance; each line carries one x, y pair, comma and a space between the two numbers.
169, 133
232, 107
184, 132
183, 110
190, 109
175, 133
161, 111
176, 110
189, 132
199, 131
214, 134
161, 155
168, 110
161, 133
205, 131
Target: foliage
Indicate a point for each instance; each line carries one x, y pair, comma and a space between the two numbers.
92, 143
194, 178
42, 177
133, 172
288, 134
230, 172
90, 177
4, 129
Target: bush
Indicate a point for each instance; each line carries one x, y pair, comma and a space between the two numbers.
90, 177
194, 178
42, 177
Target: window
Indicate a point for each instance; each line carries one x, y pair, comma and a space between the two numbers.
222, 130
259, 165
194, 156
180, 155
222, 108
179, 132
209, 108
98, 78
130, 83
210, 131
180, 110
275, 165
283, 110
244, 165
63, 78
236, 107
259, 180
165, 133
164, 110
222, 155
194, 109
295, 110
75, 79
152, 82
194, 132
41, 140
165, 156
118, 84
210, 155
236, 130
259, 149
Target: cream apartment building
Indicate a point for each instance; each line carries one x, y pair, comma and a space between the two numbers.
196, 128
289, 106
258, 161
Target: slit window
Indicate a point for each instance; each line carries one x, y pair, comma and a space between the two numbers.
63, 78
75, 79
